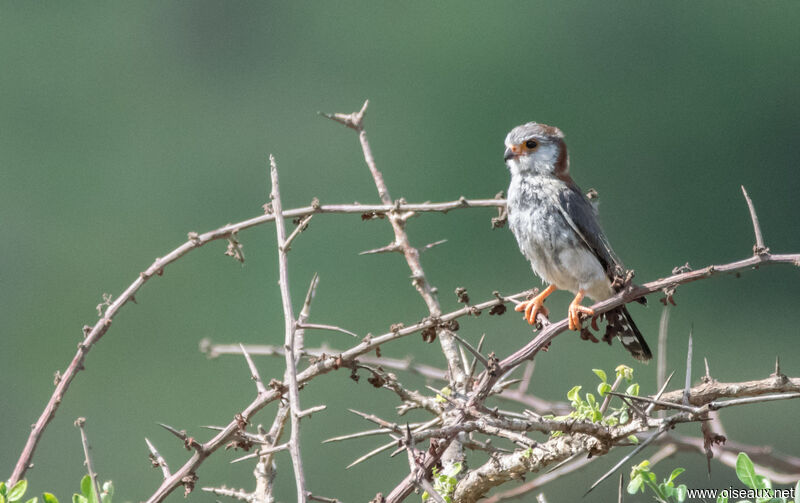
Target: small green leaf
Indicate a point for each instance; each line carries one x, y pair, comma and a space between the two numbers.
17, 491
633, 389
573, 396
597, 416
49, 498
603, 388
623, 417
590, 399
624, 371
633, 439
675, 473
86, 486
722, 499
642, 467
600, 373
680, 493
77, 498
2, 498
35, 499
3, 488
635, 484
746, 471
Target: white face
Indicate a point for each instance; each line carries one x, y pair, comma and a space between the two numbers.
534, 155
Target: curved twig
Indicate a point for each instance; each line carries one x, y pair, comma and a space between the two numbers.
93, 334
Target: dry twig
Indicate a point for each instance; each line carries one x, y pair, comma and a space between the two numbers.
290, 341
80, 422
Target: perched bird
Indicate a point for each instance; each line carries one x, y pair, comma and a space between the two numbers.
557, 230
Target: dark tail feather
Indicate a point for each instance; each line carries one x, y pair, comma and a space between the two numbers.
621, 324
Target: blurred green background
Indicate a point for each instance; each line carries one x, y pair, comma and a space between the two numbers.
126, 125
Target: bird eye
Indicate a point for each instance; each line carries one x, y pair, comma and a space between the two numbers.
531, 144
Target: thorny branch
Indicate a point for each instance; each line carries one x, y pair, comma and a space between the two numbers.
595, 439
419, 280
548, 333
457, 416
92, 334
290, 341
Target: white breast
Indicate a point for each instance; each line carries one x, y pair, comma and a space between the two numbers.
557, 254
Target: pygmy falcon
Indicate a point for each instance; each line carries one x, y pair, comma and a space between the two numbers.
557, 230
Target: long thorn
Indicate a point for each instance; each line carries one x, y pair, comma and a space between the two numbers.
301, 226
626, 458
261, 452
375, 419
526, 376
180, 434
759, 248
660, 392
569, 459
312, 290
472, 365
688, 383
333, 328
464, 358
663, 332
715, 405
366, 433
254, 372
371, 453
158, 459
472, 350
668, 405
80, 422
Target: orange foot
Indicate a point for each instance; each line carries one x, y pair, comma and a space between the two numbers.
575, 310
535, 305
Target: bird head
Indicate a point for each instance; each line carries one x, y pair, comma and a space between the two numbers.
535, 148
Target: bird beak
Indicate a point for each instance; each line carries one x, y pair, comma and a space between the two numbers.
508, 154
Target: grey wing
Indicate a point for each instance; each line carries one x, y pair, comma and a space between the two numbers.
582, 217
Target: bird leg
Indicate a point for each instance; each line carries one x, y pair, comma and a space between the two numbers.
575, 310
536, 304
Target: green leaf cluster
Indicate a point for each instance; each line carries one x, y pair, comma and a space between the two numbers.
444, 482
746, 472
15, 492
665, 491
668, 492
446, 391
588, 407
87, 495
